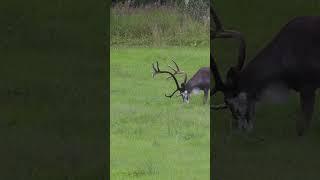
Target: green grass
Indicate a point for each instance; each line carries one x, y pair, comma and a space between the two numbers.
283, 155
154, 137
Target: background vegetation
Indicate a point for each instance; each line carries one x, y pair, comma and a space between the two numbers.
282, 155
153, 25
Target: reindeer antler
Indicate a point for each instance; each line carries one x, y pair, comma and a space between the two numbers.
219, 32
156, 70
175, 71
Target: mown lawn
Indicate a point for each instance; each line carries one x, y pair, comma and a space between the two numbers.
154, 137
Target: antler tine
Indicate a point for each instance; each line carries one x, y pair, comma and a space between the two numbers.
218, 107
242, 44
177, 70
153, 70
176, 65
219, 32
158, 71
214, 31
171, 68
215, 18
158, 66
219, 85
169, 96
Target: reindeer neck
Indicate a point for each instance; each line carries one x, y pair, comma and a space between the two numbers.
256, 75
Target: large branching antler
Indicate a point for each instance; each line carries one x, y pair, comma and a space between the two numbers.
177, 71
217, 31
218, 107
219, 85
156, 70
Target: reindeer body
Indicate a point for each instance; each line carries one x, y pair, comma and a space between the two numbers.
290, 61
292, 58
199, 81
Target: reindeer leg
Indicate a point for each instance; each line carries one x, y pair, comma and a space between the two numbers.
205, 97
307, 98
251, 113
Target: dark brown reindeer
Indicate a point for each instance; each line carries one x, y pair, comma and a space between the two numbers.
199, 81
290, 61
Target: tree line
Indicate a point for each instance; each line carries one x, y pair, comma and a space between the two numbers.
135, 3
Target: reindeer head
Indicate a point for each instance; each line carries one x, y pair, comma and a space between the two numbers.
235, 100
181, 88
184, 93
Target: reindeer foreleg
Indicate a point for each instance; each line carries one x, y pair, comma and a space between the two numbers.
307, 98
205, 97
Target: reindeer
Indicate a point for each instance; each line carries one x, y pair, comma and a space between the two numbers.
199, 81
290, 61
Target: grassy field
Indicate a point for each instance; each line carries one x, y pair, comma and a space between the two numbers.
283, 155
154, 137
